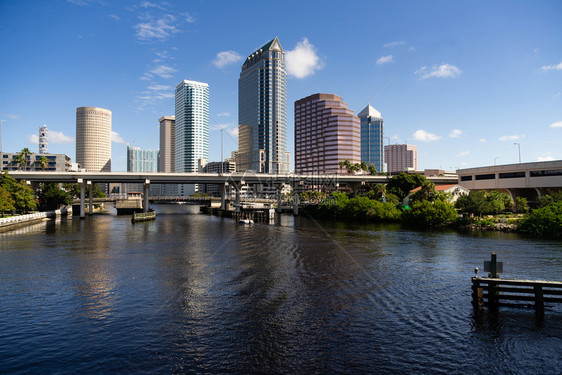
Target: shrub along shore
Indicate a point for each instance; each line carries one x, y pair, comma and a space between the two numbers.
429, 208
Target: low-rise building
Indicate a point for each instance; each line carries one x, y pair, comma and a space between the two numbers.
34, 162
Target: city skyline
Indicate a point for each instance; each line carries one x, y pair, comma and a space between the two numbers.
463, 81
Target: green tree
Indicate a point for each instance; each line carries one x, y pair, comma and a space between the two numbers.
21, 193
521, 205
426, 192
24, 157
401, 184
347, 165
550, 198
364, 166
43, 161
372, 170
6, 201
51, 197
376, 192
543, 221
426, 214
342, 165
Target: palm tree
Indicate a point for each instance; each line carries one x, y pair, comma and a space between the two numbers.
341, 164
43, 161
364, 166
347, 165
24, 155
19, 160
372, 170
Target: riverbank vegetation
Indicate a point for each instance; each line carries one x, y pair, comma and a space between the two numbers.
21, 198
428, 208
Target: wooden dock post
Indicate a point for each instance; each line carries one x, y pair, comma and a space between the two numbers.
477, 294
539, 302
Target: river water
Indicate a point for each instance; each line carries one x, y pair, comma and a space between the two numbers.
195, 293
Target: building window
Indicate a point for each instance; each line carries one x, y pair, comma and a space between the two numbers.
490, 176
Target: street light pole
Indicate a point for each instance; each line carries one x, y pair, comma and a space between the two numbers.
387, 166
496, 158
519, 147
1, 123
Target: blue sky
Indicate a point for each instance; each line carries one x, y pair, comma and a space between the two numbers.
462, 80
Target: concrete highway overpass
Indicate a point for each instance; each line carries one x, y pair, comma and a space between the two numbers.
529, 180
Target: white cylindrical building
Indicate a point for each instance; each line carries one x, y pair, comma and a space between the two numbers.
43, 140
93, 139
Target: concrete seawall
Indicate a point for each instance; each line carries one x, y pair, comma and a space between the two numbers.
8, 223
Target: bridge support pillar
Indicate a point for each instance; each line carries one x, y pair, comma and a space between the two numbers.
82, 198
296, 203
279, 188
90, 197
146, 189
237, 187
222, 191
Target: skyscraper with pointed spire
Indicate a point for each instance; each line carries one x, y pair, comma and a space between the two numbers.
262, 111
372, 137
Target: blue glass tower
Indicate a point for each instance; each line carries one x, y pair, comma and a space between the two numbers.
372, 137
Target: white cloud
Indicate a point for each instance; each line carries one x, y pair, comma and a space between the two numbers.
511, 137
78, 2
545, 158
147, 4
233, 132
463, 153
115, 18
385, 60
58, 137
394, 44
188, 17
157, 87
224, 114
116, 138
302, 61
163, 71
422, 135
53, 137
10, 115
455, 133
226, 57
557, 124
160, 29
441, 71
546, 68
482, 140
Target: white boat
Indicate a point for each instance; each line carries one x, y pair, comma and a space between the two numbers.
246, 221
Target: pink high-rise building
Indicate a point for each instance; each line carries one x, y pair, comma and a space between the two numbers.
401, 158
326, 132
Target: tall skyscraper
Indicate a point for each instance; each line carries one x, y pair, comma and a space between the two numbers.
167, 144
372, 137
326, 132
93, 139
43, 140
401, 158
262, 112
192, 129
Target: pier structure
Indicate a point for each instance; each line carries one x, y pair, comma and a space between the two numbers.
493, 292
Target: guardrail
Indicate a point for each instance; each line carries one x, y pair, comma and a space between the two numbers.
29, 217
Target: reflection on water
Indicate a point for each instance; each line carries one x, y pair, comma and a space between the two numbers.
196, 293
